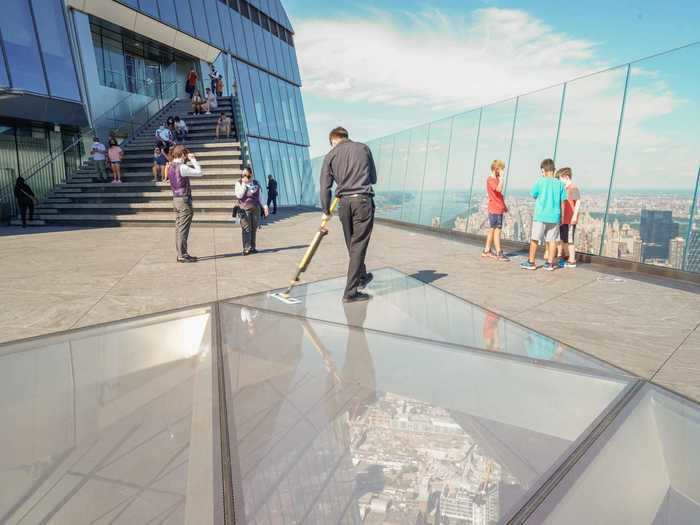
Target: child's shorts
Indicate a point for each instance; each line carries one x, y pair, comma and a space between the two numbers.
567, 232
545, 231
496, 220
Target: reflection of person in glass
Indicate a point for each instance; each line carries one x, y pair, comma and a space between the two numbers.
490, 332
544, 348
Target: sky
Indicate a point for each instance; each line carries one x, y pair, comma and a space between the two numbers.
377, 67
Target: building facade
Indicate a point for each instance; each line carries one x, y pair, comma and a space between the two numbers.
67, 65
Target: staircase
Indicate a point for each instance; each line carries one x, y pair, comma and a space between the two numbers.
139, 201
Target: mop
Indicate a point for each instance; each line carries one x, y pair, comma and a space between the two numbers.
304, 263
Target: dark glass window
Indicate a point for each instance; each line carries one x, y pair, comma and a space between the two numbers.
245, 10
55, 48
167, 12
234, 5
4, 79
226, 27
21, 47
184, 16
150, 7
274, 28
265, 22
255, 15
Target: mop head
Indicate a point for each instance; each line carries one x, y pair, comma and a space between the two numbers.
285, 298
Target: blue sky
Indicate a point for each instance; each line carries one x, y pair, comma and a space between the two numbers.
379, 67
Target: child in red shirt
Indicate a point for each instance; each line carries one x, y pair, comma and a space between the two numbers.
497, 207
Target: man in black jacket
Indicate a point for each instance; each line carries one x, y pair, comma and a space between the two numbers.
272, 193
25, 200
350, 165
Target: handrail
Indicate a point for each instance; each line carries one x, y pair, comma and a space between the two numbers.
51, 157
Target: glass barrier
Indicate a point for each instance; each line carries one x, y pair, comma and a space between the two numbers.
630, 134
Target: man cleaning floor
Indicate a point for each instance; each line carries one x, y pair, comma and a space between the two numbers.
351, 167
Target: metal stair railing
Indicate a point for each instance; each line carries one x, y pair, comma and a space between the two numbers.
122, 121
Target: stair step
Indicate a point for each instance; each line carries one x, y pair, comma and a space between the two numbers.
145, 206
158, 217
35, 222
159, 193
150, 184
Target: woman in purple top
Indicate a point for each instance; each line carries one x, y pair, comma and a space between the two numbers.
247, 191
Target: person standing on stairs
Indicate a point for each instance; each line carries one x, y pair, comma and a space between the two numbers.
191, 82
220, 86
272, 193
183, 166
248, 209
115, 154
99, 155
213, 77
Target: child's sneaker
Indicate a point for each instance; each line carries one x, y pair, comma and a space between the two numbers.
570, 264
486, 254
502, 258
548, 267
562, 263
527, 265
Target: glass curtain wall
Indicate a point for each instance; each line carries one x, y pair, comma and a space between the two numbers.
37, 50
631, 136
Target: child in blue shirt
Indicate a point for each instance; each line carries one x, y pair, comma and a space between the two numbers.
550, 195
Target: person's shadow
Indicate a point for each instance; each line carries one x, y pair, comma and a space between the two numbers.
428, 276
239, 254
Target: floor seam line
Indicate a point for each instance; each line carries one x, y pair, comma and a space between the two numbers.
558, 296
685, 339
146, 254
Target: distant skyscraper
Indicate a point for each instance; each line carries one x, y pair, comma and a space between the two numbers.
676, 252
637, 250
692, 254
656, 230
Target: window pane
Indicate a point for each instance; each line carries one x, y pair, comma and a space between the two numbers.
58, 59
270, 52
296, 127
269, 105
150, 7
494, 143
284, 160
302, 116
534, 140
279, 113
250, 40
200, 22
260, 44
587, 137
226, 27
21, 47
213, 21
248, 100
258, 101
435, 173
415, 171
167, 12
296, 76
184, 16
4, 80
455, 206
238, 34
656, 170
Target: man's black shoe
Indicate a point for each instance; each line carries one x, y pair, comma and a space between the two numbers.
253, 250
186, 259
358, 297
364, 282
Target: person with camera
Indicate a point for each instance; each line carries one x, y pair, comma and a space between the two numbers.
182, 166
248, 208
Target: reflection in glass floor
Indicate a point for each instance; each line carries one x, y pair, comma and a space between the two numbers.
417, 408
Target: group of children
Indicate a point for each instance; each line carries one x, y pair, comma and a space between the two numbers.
557, 205
172, 132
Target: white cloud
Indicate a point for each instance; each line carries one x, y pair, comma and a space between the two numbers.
430, 57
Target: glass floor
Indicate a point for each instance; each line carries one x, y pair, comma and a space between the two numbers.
416, 408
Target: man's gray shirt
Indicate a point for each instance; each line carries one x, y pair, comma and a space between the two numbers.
351, 166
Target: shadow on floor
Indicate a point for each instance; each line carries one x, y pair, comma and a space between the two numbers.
428, 276
240, 254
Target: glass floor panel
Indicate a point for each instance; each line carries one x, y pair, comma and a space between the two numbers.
405, 305
332, 423
414, 408
110, 425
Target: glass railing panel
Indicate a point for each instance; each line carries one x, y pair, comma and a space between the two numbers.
455, 207
534, 140
415, 173
386, 148
657, 162
111, 423
587, 137
435, 173
494, 143
390, 205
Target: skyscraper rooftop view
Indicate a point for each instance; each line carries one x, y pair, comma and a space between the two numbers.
263, 263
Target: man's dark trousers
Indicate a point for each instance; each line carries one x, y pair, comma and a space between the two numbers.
272, 199
357, 217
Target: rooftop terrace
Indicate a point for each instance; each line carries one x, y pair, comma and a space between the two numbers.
466, 387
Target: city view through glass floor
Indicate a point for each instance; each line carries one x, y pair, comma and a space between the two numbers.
415, 408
